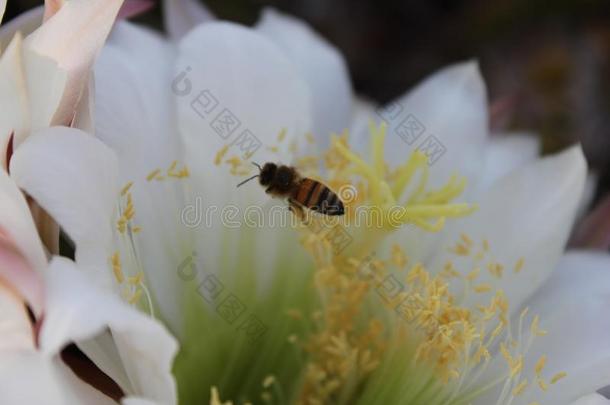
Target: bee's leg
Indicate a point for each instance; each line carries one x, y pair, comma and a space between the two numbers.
297, 210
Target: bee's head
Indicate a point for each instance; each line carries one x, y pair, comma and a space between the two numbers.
267, 174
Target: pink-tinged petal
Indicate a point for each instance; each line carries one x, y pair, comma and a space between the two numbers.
24, 23
46, 84
83, 116
18, 273
18, 228
181, 16
15, 327
132, 8
72, 38
51, 7
594, 231
14, 120
500, 112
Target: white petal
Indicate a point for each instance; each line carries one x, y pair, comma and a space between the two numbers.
133, 100
25, 23
506, 152
320, 64
15, 327
592, 399
73, 177
572, 306
446, 117
137, 401
262, 90
34, 378
72, 38
145, 347
135, 117
527, 214
363, 113
17, 223
181, 16
249, 79
588, 195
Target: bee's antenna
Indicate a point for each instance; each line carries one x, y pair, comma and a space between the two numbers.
257, 165
247, 180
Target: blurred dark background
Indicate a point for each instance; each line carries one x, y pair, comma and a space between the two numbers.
546, 63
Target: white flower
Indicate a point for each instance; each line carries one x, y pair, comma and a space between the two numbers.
70, 309
45, 82
329, 336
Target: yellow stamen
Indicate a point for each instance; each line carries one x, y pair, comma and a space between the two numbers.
153, 174
215, 398
520, 388
135, 297
268, 381
282, 135
474, 274
485, 245
172, 166
126, 188
536, 331
540, 365
482, 288
495, 269
137, 279
543, 386
519, 265
116, 268
399, 258
558, 377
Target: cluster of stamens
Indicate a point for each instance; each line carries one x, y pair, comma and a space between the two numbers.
125, 263
425, 337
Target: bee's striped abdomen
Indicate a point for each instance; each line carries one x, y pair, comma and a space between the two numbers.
317, 197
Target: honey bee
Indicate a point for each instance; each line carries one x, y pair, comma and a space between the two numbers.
302, 192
